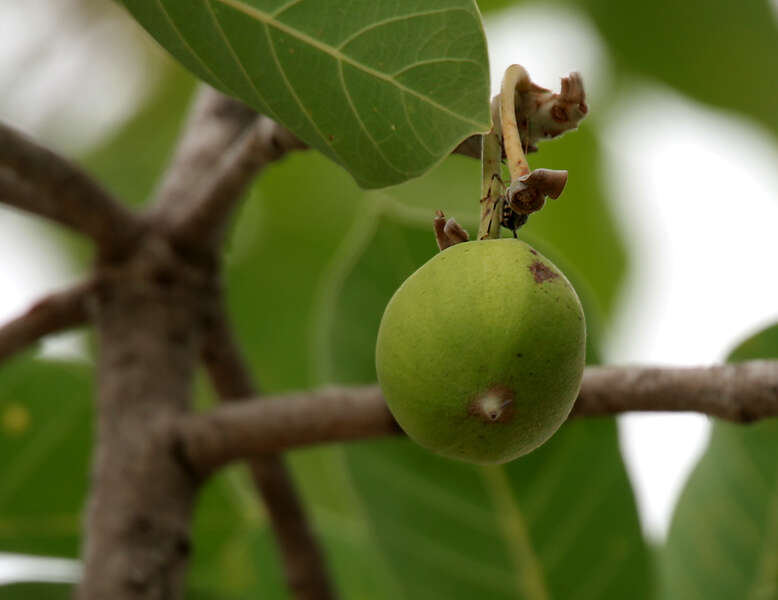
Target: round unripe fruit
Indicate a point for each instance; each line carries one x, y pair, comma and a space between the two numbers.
480, 352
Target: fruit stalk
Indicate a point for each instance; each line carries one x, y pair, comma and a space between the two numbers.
492, 189
515, 79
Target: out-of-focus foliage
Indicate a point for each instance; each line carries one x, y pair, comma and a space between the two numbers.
385, 89
37, 591
45, 439
717, 51
723, 541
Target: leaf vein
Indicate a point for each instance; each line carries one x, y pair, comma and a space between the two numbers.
362, 125
191, 50
269, 21
375, 25
258, 95
294, 95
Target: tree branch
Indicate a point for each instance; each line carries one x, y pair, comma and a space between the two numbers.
37, 180
738, 392
215, 122
304, 564
203, 219
148, 314
273, 424
56, 312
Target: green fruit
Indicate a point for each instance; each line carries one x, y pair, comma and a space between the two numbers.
481, 351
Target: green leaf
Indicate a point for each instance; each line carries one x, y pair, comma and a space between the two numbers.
234, 552
45, 432
37, 591
723, 540
386, 89
717, 52
308, 285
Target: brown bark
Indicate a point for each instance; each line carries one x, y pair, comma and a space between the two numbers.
37, 180
53, 313
739, 392
149, 318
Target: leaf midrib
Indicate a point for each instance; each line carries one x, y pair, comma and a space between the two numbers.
531, 581
268, 20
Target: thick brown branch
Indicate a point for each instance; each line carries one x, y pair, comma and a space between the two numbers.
203, 219
148, 314
273, 424
56, 312
37, 180
306, 571
739, 392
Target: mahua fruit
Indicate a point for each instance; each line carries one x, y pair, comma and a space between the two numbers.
480, 352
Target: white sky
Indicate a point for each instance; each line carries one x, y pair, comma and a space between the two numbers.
695, 190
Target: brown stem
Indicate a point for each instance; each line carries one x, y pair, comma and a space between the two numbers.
51, 314
278, 423
304, 564
39, 181
515, 80
215, 122
739, 392
204, 218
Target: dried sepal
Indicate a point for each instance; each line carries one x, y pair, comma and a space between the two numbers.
447, 231
527, 194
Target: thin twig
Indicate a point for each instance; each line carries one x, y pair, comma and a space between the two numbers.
304, 564
39, 181
739, 392
204, 218
215, 122
51, 314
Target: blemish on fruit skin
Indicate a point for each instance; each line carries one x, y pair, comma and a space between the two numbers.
493, 406
541, 272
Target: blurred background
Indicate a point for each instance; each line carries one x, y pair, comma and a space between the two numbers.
667, 228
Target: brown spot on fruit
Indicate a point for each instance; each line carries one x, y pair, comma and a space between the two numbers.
541, 272
493, 406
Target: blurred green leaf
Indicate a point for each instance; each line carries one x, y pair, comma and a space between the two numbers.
308, 284
45, 432
37, 591
234, 553
386, 90
717, 51
723, 540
